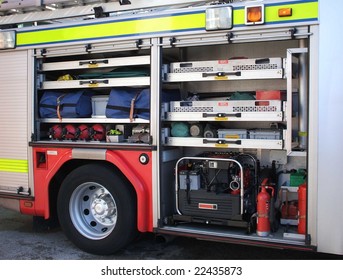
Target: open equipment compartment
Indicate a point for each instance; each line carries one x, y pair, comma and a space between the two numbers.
230, 107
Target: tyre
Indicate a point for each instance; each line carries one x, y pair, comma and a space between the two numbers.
97, 209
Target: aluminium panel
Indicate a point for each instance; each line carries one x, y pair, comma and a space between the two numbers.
326, 130
13, 120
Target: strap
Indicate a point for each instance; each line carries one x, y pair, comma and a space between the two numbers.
132, 107
59, 100
47, 106
125, 109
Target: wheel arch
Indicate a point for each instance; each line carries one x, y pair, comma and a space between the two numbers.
97, 208
138, 184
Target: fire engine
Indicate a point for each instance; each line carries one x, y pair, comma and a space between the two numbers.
208, 119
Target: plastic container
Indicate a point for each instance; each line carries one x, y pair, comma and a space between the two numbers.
297, 178
267, 134
233, 133
270, 95
99, 103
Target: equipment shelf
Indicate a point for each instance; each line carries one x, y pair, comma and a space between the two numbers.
236, 117
227, 69
92, 120
96, 63
97, 83
224, 143
225, 76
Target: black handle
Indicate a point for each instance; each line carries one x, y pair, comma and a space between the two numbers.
222, 115
262, 61
93, 62
222, 141
93, 82
222, 74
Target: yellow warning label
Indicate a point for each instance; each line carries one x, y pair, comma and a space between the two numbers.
221, 118
93, 65
221, 145
221, 78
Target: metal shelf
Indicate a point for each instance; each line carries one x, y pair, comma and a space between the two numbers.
224, 143
97, 63
244, 116
244, 75
92, 120
97, 83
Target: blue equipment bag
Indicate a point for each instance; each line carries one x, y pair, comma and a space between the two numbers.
128, 103
133, 103
65, 105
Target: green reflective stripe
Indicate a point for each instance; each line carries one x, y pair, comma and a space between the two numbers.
113, 29
302, 11
238, 17
14, 165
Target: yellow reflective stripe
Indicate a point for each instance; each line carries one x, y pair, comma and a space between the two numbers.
113, 29
14, 165
140, 26
238, 17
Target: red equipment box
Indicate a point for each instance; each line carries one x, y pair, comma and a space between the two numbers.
270, 95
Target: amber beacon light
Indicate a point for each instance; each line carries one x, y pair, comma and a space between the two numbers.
285, 12
254, 14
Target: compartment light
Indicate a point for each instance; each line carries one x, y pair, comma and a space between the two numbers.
219, 18
254, 14
7, 40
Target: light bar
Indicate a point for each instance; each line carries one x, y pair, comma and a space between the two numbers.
219, 18
7, 40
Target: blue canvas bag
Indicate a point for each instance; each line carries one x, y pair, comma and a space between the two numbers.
65, 105
133, 103
128, 103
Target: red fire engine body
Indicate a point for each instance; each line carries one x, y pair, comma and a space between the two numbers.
188, 118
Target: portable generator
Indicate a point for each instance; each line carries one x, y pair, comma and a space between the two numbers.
216, 189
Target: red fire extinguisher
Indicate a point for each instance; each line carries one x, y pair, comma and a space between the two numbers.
302, 208
263, 209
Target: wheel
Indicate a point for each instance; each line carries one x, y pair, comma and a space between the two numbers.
97, 210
